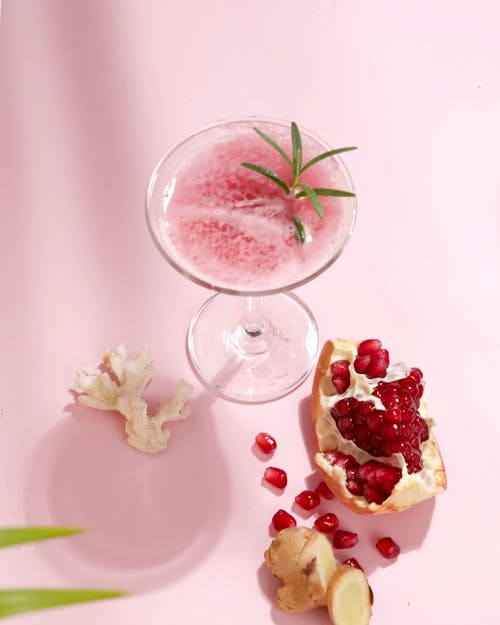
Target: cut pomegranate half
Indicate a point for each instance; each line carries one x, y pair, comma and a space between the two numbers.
375, 447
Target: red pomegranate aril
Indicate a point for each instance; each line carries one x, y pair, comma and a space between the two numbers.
366, 408
308, 499
394, 415
344, 407
354, 563
374, 420
375, 495
354, 487
361, 363
276, 477
378, 364
344, 540
340, 368
323, 491
416, 375
361, 434
369, 346
327, 523
389, 431
387, 547
266, 442
345, 424
341, 384
282, 519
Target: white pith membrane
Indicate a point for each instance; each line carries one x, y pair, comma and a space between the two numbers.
412, 487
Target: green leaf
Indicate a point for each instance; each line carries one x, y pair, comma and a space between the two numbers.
18, 535
311, 194
320, 157
26, 600
268, 174
330, 192
299, 226
297, 152
275, 146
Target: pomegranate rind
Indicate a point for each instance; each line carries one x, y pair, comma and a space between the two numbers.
349, 598
411, 489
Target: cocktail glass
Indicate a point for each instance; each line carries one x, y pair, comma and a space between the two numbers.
232, 230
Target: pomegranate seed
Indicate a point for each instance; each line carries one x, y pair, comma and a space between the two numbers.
344, 540
345, 424
327, 522
341, 384
265, 442
378, 364
374, 495
340, 368
375, 420
361, 363
344, 407
323, 490
355, 487
281, 520
389, 431
354, 563
276, 477
416, 375
369, 346
387, 547
308, 499
366, 408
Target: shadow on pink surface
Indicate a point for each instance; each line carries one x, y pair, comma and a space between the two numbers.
151, 519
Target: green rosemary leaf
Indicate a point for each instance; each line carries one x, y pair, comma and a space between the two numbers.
275, 146
330, 192
26, 600
297, 153
268, 174
18, 535
320, 157
311, 194
299, 226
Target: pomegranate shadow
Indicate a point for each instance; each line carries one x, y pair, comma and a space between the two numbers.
141, 511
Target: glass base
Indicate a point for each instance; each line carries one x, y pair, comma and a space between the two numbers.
254, 354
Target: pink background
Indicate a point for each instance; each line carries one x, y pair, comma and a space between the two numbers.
91, 94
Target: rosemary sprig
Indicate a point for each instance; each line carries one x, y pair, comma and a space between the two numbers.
295, 163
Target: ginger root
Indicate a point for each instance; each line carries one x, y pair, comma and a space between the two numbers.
101, 391
303, 560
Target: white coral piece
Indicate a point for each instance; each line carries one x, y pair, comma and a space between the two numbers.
101, 391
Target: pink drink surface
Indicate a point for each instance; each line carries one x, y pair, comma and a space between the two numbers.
232, 227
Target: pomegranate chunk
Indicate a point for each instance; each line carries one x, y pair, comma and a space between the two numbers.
388, 548
354, 563
276, 477
344, 540
281, 520
266, 442
323, 491
327, 523
308, 499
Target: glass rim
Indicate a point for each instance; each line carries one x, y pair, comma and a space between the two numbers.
247, 292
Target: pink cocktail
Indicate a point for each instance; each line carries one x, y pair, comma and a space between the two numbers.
234, 230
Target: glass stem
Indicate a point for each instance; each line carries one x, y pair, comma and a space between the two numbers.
253, 322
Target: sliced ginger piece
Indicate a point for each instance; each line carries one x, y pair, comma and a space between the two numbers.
303, 560
349, 597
